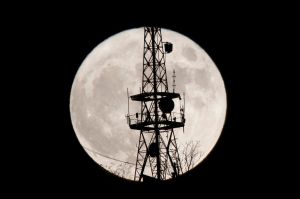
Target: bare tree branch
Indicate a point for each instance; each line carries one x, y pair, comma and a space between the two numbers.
189, 154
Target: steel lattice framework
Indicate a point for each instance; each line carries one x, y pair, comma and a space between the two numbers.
157, 155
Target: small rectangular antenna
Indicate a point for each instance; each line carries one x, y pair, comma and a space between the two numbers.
183, 102
174, 85
128, 100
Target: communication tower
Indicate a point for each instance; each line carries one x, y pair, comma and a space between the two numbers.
157, 155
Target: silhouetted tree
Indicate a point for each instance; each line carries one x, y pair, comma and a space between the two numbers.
190, 154
123, 170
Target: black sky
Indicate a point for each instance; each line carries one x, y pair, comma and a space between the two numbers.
56, 40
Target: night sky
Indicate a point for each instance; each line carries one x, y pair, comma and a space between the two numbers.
53, 48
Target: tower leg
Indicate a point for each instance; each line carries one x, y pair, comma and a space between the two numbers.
141, 158
173, 154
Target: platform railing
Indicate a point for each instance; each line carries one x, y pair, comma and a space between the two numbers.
133, 119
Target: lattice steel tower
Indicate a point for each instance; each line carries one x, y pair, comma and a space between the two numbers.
157, 155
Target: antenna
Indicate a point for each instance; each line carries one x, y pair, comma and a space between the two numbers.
183, 110
127, 116
183, 102
157, 155
128, 100
174, 85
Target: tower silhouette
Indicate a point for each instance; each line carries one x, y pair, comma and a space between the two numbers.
157, 155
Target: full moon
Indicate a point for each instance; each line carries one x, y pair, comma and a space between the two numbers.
98, 101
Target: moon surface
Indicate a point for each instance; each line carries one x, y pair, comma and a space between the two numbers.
98, 101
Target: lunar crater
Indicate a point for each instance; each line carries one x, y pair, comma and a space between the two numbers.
189, 53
